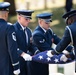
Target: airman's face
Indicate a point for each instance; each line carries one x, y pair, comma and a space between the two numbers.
69, 21
24, 21
45, 25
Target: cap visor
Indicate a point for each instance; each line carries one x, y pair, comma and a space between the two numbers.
48, 20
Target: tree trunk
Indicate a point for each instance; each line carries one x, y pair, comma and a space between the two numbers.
27, 6
45, 4
12, 7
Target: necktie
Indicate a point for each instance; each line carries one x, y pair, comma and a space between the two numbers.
48, 35
26, 35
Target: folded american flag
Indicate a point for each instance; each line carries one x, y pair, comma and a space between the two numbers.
43, 57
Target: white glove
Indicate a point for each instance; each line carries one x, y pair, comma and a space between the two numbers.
49, 54
16, 72
27, 57
63, 58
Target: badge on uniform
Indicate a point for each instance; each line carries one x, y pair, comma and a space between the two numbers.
13, 36
42, 41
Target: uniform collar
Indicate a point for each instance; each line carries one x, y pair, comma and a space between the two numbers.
22, 27
43, 29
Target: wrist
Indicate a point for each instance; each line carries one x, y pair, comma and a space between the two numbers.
67, 55
22, 54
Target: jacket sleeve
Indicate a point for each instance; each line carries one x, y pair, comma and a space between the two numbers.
33, 49
12, 47
56, 39
63, 44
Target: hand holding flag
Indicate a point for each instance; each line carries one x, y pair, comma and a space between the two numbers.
48, 58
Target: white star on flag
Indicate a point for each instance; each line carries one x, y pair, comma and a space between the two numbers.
56, 60
40, 57
48, 59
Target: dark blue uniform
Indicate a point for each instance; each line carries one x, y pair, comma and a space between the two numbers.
69, 35
44, 40
62, 45
22, 44
8, 46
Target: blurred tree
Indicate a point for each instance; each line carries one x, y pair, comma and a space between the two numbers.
12, 7
68, 5
53, 1
27, 5
45, 4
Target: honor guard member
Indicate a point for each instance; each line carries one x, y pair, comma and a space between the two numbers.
24, 38
69, 35
43, 38
9, 64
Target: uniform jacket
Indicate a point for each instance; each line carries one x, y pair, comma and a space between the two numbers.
67, 38
23, 46
44, 40
21, 39
8, 49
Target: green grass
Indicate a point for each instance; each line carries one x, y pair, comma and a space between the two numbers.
60, 70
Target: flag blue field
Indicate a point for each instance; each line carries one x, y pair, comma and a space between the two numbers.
43, 57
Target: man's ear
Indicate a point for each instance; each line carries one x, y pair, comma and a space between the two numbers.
39, 20
69, 21
19, 17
